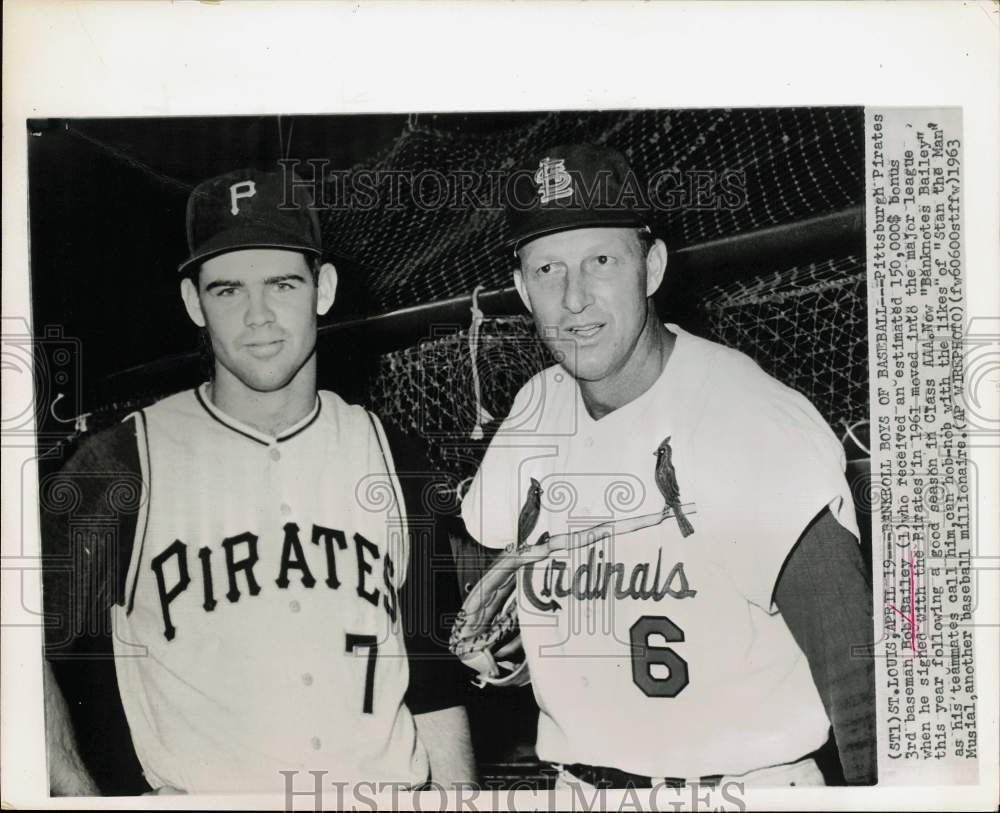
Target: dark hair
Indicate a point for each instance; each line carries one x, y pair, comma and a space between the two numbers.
315, 264
646, 240
193, 272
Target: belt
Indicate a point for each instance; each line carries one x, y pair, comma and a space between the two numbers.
601, 777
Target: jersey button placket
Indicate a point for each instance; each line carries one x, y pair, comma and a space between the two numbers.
275, 454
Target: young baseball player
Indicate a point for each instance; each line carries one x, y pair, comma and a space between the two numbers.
258, 570
716, 644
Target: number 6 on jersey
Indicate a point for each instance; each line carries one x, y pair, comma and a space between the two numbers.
645, 656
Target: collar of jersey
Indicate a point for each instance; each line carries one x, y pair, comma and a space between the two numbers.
627, 412
201, 393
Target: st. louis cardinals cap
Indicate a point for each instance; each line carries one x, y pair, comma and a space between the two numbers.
572, 187
249, 208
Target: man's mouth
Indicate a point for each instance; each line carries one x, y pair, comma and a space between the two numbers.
265, 350
587, 331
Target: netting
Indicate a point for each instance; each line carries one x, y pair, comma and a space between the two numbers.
427, 389
415, 244
805, 325
795, 164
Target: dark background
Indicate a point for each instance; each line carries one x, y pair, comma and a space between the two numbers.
106, 205
107, 200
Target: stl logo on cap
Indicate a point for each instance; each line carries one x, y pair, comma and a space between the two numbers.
554, 182
240, 189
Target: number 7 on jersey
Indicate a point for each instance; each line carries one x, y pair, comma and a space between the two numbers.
355, 641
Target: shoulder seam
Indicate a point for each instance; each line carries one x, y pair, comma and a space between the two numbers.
147, 485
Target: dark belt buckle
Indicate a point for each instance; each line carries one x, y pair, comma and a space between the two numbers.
608, 778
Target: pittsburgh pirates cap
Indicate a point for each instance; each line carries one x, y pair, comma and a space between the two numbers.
571, 187
248, 209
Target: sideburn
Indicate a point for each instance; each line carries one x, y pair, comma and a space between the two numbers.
206, 357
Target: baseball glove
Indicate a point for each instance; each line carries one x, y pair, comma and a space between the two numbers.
486, 636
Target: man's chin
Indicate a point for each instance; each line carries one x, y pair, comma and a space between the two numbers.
266, 381
583, 372
268, 385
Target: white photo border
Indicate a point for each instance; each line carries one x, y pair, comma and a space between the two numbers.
161, 58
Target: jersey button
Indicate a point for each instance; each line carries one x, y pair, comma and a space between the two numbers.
275, 455
307, 679
294, 606
315, 743
286, 509
588, 442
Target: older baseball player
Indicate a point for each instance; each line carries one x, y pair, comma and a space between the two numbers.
715, 640
258, 573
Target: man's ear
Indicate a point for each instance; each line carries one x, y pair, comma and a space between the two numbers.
521, 291
326, 286
192, 302
656, 266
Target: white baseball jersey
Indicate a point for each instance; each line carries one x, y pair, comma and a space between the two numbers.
651, 652
260, 626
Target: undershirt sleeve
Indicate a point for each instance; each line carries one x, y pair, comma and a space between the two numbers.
88, 514
824, 595
429, 599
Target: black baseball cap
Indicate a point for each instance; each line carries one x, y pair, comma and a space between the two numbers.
248, 208
572, 187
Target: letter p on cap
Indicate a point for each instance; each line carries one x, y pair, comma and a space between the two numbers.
242, 189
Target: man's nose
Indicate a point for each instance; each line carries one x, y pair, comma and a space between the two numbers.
576, 294
259, 310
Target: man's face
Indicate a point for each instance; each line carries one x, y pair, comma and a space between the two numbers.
587, 290
259, 307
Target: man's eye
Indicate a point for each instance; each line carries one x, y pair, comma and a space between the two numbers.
544, 269
603, 259
225, 291
284, 286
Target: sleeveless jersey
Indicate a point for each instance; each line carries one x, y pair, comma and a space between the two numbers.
260, 630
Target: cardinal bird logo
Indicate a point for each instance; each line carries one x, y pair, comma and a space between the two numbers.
528, 517
666, 480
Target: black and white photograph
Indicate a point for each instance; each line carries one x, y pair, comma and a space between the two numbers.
465, 451
580, 336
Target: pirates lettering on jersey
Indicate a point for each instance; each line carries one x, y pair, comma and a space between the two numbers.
173, 570
597, 579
